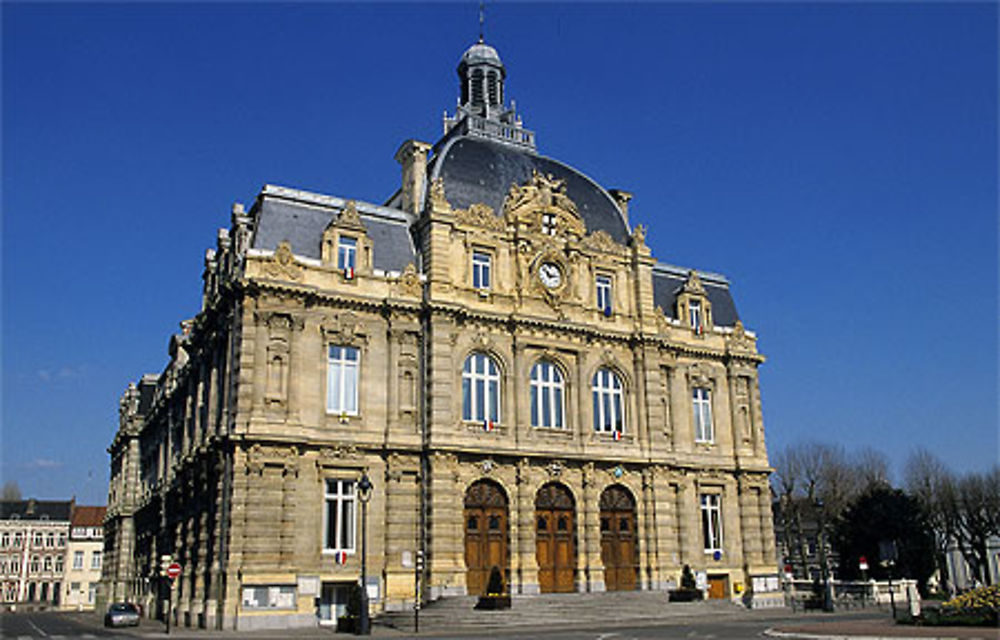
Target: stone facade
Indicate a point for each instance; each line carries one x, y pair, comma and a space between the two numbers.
340, 337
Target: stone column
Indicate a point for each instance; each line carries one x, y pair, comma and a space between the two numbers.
590, 554
525, 561
648, 552
447, 544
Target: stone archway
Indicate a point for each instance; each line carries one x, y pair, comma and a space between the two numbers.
486, 537
619, 547
555, 538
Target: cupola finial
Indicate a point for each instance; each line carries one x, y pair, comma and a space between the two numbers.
482, 19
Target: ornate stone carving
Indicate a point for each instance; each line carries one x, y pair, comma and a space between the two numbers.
480, 215
349, 217
437, 198
739, 340
345, 328
282, 264
542, 202
602, 242
337, 453
662, 324
639, 237
555, 468
693, 284
408, 282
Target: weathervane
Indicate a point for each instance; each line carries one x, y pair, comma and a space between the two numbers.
482, 19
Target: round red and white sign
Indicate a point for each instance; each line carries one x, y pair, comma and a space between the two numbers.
173, 571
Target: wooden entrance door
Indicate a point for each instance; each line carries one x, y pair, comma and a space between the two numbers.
619, 551
717, 587
555, 539
485, 536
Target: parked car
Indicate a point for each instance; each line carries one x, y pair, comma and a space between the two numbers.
122, 614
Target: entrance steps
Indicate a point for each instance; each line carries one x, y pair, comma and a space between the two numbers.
562, 609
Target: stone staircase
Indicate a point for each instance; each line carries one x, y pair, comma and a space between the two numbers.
564, 609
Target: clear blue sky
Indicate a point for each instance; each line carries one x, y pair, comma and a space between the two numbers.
837, 161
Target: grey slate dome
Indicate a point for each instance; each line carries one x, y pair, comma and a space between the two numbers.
477, 170
480, 53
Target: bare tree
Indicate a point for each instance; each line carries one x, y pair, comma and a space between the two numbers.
871, 467
931, 483
976, 499
10, 491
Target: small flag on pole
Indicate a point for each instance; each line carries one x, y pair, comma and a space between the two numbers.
617, 435
487, 425
349, 273
607, 312
340, 557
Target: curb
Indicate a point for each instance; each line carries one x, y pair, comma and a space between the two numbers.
774, 633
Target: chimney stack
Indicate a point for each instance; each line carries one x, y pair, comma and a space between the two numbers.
412, 155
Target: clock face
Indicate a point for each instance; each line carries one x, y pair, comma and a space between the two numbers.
550, 274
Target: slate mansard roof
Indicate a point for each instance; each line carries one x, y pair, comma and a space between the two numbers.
300, 218
58, 510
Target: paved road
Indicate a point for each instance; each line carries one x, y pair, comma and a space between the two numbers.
53, 625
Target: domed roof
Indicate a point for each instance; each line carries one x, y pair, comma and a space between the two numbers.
476, 170
480, 53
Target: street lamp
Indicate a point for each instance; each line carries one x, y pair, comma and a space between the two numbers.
823, 560
364, 495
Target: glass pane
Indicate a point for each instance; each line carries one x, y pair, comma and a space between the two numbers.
495, 401
623, 524
543, 524
558, 407
333, 392
534, 405
618, 412
466, 399
494, 523
606, 402
468, 364
546, 408
562, 524
480, 399
350, 353
351, 389
473, 523
605, 524
331, 524
348, 524
597, 411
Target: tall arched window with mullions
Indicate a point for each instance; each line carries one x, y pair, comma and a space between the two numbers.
547, 390
481, 389
609, 407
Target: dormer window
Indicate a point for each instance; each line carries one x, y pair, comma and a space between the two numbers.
694, 313
603, 285
347, 254
549, 224
481, 267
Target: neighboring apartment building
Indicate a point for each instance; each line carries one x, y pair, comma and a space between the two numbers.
33, 537
527, 387
84, 554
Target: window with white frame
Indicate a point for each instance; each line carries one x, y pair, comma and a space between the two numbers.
701, 402
78, 559
546, 395
604, 294
38, 539
338, 520
50, 540
694, 314
549, 224
342, 380
711, 522
47, 563
59, 564
347, 253
5, 539
95, 560
35, 564
481, 266
480, 389
17, 539
609, 416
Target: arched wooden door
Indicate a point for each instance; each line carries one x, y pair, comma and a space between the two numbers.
619, 551
555, 539
485, 536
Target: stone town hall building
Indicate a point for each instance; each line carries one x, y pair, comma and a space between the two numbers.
526, 385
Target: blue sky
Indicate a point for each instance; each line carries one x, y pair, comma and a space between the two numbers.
837, 161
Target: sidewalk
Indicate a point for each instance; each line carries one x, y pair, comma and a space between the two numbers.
876, 629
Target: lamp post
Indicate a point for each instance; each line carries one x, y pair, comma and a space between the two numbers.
364, 495
824, 567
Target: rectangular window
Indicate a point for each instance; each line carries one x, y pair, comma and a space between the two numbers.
701, 401
17, 539
59, 564
694, 311
338, 521
5, 539
347, 252
711, 522
342, 380
481, 263
77, 559
95, 560
269, 597
604, 294
47, 564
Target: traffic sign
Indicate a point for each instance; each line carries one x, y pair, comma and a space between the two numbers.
863, 563
173, 571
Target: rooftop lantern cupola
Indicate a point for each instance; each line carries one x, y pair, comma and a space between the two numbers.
481, 110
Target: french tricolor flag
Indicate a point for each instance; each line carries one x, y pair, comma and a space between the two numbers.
349, 273
340, 557
617, 435
487, 425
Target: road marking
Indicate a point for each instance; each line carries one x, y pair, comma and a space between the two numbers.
605, 636
37, 628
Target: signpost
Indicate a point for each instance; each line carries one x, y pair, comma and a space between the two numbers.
172, 570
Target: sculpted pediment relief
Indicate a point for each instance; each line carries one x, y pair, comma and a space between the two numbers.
541, 205
601, 241
282, 264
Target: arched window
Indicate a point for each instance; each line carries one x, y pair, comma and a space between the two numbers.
546, 395
609, 412
493, 91
477, 87
481, 389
